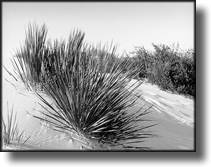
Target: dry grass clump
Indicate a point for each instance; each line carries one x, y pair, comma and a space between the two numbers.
11, 134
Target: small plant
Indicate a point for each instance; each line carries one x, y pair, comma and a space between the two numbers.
10, 131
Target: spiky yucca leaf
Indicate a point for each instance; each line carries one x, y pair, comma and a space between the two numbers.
28, 60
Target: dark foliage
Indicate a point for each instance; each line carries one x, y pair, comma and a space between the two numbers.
88, 87
168, 68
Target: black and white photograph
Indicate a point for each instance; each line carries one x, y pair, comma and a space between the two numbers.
98, 76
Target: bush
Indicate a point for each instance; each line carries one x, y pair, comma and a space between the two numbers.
90, 92
168, 68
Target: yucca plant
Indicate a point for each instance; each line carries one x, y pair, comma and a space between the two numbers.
11, 134
90, 98
95, 101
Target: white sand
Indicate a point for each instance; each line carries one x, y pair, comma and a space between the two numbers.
25, 103
177, 106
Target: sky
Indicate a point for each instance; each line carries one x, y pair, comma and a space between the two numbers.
127, 25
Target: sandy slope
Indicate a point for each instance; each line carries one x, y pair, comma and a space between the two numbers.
173, 113
178, 106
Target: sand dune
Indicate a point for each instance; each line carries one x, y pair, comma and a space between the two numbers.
173, 113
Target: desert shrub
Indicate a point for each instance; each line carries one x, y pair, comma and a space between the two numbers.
97, 112
189, 76
141, 61
91, 94
168, 68
94, 103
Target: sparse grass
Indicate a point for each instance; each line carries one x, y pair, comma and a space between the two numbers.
10, 131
